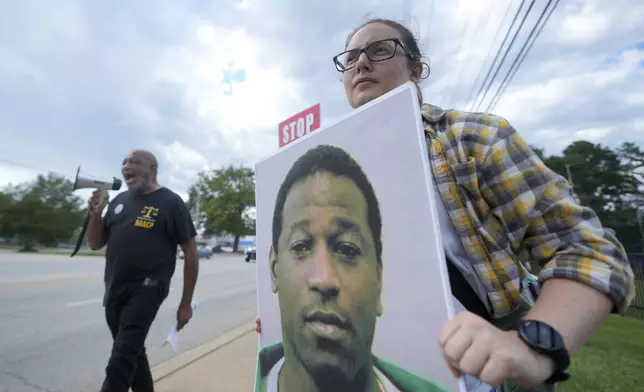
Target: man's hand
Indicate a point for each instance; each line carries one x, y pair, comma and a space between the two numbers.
258, 325
471, 345
97, 202
184, 314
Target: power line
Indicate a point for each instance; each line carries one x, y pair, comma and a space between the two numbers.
40, 170
489, 52
516, 34
465, 64
525, 49
458, 51
32, 168
516, 15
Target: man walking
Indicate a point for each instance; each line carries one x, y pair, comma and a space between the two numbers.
142, 229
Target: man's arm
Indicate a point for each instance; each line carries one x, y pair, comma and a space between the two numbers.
95, 238
97, 228
190, 270
185, 233
585, 271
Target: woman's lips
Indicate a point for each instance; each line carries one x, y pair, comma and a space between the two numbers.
364, 84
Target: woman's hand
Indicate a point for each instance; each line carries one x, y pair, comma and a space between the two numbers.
473, 346
258, 325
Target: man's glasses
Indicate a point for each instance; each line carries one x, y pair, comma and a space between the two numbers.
377, 51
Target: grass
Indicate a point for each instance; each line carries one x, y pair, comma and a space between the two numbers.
612, 360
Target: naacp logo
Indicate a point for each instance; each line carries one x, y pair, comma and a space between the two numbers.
146, 219
118, 209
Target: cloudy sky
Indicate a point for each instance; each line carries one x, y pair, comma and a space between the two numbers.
204, 84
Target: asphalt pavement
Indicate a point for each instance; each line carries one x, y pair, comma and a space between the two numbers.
53, 335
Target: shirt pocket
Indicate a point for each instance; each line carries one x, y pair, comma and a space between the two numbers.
467, 179
487, 223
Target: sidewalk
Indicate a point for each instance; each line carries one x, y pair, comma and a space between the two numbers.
230, 367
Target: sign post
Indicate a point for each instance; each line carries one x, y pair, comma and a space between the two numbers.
299, 125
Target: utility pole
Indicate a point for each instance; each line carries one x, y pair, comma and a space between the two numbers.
640, 222
198, 212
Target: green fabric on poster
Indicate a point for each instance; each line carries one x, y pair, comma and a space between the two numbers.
403, 380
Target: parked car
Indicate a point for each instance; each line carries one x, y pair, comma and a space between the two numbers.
203, 251
250, 253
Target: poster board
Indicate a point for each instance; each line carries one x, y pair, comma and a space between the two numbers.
323, 269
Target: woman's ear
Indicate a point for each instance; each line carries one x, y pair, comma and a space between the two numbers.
416, 72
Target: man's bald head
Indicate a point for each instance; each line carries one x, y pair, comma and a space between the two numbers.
139, 170
146, 157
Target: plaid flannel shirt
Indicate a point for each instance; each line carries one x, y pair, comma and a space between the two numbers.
508, 207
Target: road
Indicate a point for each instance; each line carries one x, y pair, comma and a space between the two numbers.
53, 335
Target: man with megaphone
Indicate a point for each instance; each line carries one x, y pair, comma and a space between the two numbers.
142, 228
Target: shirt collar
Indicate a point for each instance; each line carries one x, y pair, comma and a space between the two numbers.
384, 383
431, 115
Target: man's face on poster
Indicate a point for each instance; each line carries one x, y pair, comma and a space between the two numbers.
327, 275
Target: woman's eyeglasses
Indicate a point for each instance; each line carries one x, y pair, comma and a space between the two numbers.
376, 51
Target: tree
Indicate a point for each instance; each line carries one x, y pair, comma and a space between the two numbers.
40, 212
633, 155
225, 196
604, 180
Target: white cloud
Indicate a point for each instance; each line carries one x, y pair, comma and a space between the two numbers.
585, 25
205, 84
181, 156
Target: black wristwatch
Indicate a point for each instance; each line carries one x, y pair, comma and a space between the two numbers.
544, 339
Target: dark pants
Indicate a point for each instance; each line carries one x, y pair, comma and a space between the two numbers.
129, 319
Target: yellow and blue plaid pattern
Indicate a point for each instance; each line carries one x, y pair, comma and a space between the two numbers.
507, 206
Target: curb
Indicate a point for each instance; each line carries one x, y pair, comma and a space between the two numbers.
167, 368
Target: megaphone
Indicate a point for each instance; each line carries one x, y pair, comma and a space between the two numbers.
87, 182
82, 182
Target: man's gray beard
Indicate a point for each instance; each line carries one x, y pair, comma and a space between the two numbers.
139, 189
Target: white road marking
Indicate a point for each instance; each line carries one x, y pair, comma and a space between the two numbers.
228, 293
91, 301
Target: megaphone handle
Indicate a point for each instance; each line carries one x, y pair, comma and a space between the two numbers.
102, 196
82, 235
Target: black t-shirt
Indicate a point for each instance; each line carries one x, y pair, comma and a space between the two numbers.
142, 233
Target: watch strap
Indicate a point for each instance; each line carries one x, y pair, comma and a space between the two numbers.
559, 356
556, 377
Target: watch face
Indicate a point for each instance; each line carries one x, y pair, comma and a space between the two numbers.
541, 335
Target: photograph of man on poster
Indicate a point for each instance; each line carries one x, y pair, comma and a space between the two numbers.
326, 268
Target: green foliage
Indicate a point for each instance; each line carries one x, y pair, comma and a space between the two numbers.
607, 181
224, 196
40, 212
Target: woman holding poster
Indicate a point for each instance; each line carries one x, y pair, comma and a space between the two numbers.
500, 207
